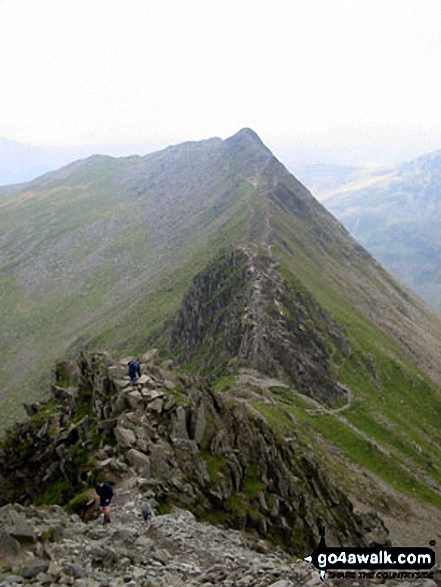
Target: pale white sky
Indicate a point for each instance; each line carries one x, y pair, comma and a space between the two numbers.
342, 78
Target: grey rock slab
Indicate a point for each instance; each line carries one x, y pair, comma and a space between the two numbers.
73, 570
151, 356
179, 426
143, 380
139, 461
33, 569
10, 548
135, 399
12, 580
15, 524
201, 424
125, 437
151, 394
156, 405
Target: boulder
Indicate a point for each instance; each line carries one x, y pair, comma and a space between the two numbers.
125, 438
139, 461
156, 405
135, 400
10, 548
151, 394
73, 570
151, 357
161, 460
15, 524
33, 569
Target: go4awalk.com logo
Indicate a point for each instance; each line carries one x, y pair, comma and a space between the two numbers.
327, 559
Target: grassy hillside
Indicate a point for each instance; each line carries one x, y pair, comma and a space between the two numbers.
100, 252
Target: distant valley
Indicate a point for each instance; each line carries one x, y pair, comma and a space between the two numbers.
394, 212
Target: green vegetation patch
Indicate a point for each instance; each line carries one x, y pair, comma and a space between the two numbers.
276, 416
224, 383
288, 396
57, 493
366, 453
77, 504
214, 465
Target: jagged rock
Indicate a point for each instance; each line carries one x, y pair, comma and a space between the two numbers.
67, 374
15, 524
135, 400
151, 357
247, 315
161, 460
144, 380
151, 394
169, 404
156, 405
179, 424
116, 372
112, 465
200, 425
122, 384
9, 547
126, 438
31, 409
139, 461
108, 426
73, 570
13, 579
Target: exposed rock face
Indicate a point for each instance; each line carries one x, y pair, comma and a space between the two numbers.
239, 311
195, 449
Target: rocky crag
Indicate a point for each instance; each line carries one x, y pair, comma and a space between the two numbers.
181, 444
240, 312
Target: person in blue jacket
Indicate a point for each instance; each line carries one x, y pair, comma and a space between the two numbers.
105, 492
134, 370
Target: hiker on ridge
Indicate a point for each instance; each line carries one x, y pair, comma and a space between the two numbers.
134, 370
105, 492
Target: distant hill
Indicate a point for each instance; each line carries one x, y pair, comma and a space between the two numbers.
20, 163
395, 212
215, 252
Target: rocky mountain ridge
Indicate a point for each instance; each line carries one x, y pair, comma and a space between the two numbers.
187, 445
240, 312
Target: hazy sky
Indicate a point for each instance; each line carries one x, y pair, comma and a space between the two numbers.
351, 81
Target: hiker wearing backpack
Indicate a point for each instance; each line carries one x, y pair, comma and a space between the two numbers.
105, 492
134, 370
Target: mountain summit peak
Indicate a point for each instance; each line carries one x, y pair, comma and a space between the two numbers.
246, 136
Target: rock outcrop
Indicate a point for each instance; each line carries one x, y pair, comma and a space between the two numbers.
186, 445
239, 311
